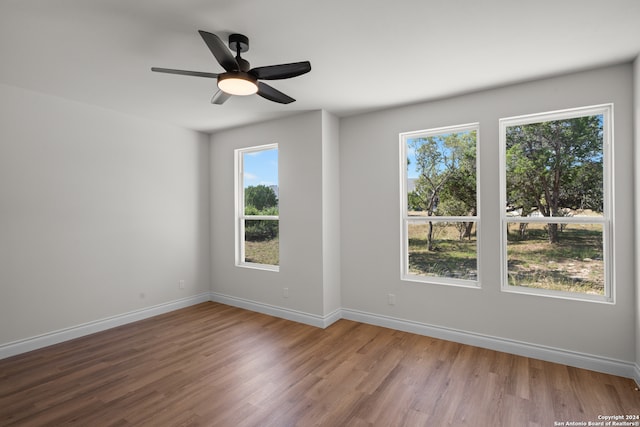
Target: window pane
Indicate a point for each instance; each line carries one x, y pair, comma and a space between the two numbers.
555, 168
573, 263
261, 241
443, 249
258, 237
260, 182
441, 174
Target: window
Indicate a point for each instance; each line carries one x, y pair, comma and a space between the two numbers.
257, 212
556, 198
439, 205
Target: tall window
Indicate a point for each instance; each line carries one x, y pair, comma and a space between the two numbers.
439, 205
257, 213
556, 198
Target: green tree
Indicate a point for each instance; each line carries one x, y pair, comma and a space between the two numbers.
555, 166
458, 197
257, 230
260, 197
414, 201
446, 184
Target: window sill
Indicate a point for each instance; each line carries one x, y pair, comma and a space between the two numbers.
602, 299
254, 266
431, 280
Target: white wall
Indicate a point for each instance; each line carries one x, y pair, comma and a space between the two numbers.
299, 141
370, 221
100, 213
309, 185
331, 212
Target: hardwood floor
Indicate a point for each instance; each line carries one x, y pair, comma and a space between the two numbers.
215, 365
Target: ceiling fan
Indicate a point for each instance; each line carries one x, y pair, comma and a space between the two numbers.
239, 78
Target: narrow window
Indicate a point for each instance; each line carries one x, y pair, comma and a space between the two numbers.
439, 205
556, 198
257, 212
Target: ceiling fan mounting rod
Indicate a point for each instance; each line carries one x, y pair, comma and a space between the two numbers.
238, 43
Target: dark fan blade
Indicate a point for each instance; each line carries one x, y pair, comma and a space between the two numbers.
220, 51
184, 72
220, 97
282, 71
267, 92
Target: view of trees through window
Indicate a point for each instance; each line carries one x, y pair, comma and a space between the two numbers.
260, 219
555, 212
440, 216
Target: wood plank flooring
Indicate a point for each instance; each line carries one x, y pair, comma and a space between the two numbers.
215, 365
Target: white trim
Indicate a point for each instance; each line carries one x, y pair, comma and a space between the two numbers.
254, 148
331, 318
606, 221
66, 334
405, 219
420, 218
550, 293
438, 280
237, 209
557, 219
550, 354
257, 266
567, 113
441, 130
240, 217
283, 313
260, 217
541, 352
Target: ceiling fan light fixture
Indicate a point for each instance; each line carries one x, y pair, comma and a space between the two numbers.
240, 78
238, 83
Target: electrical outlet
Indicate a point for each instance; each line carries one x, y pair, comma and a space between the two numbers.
391, 299
181, 284
285, 292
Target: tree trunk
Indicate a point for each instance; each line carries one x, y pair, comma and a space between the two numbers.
468, 229
522, 230
553, 233
430, 237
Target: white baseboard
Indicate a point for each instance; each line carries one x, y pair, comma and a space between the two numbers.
566, 357
535, 351
284, 313
55, 337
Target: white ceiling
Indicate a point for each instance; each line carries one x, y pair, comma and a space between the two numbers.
365, 54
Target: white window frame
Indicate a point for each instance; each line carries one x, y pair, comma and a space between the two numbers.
240, 217
606, 110
405, 219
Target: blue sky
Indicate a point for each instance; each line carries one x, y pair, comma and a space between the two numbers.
411, 155
261, 168
412, 173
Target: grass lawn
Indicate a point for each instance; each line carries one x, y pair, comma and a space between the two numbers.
575, 264
451, 257
263, 252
